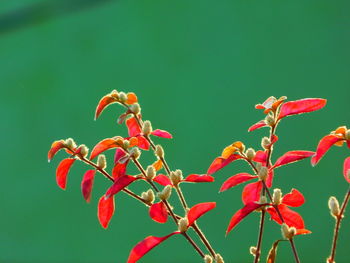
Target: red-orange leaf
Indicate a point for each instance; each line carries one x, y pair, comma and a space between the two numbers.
303, 231
346, 170
323, 146
62, 171
236, 180
291, 218
157, 165
291, 157
199, 178
257, 125
119, 169
162, 180
143, 143
251, 192
104, 102
119, 184
220, 163
158, 212
102, 146
143, 247
161, 133
55, 147
242, 213
301, 106
119, 153
260, 157
87, 183
133, 127
294, 198
105, 210
198, 210
132, 98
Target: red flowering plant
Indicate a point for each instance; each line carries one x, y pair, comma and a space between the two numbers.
257, 196
128, 150
338, 137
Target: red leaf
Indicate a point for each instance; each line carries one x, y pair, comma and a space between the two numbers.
260, 157
162, 180
291, 157
323, 146
143, 247
162, 133
301, 106
291, 218
105, 210
62, 171
235, 180
303, 231
158, 212
251, 192
198, 210
119, 184
257, 125
132, 98
119, 153
269, 178
199, 178
102, 146
87, 183
294, 198
133, 127
220, 163
143, 143
104, 102
242, 213
119, 169
346, 170
55, 147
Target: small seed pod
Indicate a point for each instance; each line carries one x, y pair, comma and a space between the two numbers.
114, 94
265, 143
135, 153
165, 194
250, 153
150, 172
135, 108
333, 205
263, 172
183, 225
122, 97
253, 250
270, 120
159, 151
277, 196
347, 135
101, 161
83, 150
176, 177
288, 232
148, 196
147, 128
219, 259
70, 144
208, 259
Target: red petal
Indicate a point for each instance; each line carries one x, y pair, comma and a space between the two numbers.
346, 170
119, 184
323, 146
161, 133
143, 247
102, 146
62, 171
257, 125
301, 106
260, 157
105, 210
158, 212
294, 198
220, 163
251, 192
198, 210
235, 180
162, 180
242, 213
104, 102
303, 231
133, 127
291, 157
199, 178
87, 183
291, 218
119, 169
55, 147
119, 153
143, 143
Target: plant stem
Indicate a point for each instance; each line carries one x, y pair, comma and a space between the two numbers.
337, 227
261, 231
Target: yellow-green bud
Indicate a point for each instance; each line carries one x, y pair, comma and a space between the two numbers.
265, 142
147, 128
83, 150
208, 259
269, 120
288, 232
114, 94
150, 172
70, 144
183, 225
148, 196
135, 108
253, 250
263, 173
277, 196
219, 259
135, 153
165, 193
159, 151
250, 153
122, 97
101, 161
126, 144
333, 205
176, 177
347, 135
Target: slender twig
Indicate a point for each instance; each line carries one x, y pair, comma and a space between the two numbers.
261, 231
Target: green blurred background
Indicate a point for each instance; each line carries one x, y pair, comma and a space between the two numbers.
198, 68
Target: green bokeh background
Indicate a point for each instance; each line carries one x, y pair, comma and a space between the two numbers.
198, 68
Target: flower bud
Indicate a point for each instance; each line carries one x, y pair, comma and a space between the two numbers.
263, 173
114, 94
253, 250
219, 259
147, 128
265, 143
135, 153
159, 151
288, 232
208, 259
333, 205
165, 194
101, 161
176, 177
70, 144
126, 144
250, 153
122, 97
83, 150
135, 108
183, 225
269, 120
148, 196
150, 172
277, 196
347, 135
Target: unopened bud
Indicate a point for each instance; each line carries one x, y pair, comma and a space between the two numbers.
122, 97
126, 144
270, 120
159, 151
183, 225
288, 232
150, 172
208, 259
253, 250
333, 205
277, 196
165, 194
263, 173
70, 144
101, 161
135, 108
176, 177
147, 128
83, 150
135, 153
347, 135
265, 143
148, 196
250, 153
114, 94
219, 259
